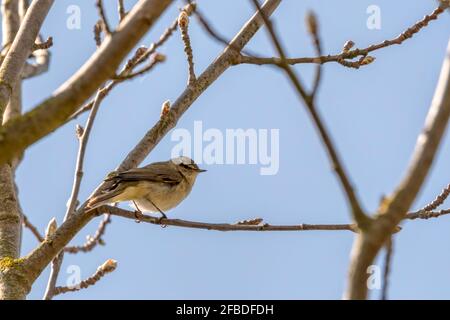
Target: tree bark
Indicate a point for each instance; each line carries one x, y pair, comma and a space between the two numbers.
10, 214
370, 241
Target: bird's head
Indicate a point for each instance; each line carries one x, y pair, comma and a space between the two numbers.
187, 166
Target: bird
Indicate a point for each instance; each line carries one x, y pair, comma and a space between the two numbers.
156, 187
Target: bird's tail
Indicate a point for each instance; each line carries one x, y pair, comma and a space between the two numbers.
103, 199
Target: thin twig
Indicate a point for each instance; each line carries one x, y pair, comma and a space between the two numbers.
32, 228
108, 267
23, 7
207, 26
73, 200
426, 214
344, 57
313, 28
358, 214
438, 201
102, 14
121, 10
387, 268
98, 33
92, 241
156, 59
141, 55
40, 64
89, 245
183, 23
84, 139
43, 45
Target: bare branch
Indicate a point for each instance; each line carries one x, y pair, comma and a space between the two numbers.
108, 267
17, 55
427, 214
23, 7
387, 268
239, 226
191, 93
140, 56
89, 245
102, 14
92, 241
394, 208
121, 10
43, 45
345, 57
98, 33
39, 258
40, 66
83, 136
207, 26
53, 112
84, 139
10, 210
183, 23
32, 228
10, 26
156, 59
313, 28
438, 201
10, 23
358, 214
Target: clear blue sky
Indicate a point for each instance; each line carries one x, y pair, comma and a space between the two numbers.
374, 115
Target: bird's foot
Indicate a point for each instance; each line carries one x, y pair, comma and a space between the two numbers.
137, 213
160, 219
138, 216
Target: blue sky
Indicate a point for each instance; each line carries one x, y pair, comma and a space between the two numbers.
374, 114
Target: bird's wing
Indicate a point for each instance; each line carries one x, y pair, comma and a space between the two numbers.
155, 172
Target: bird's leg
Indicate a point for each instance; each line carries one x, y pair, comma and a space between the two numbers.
160, 211
137, 213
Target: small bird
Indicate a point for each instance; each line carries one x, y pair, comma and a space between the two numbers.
157, 187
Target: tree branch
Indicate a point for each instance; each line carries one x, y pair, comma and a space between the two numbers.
40, 65
10, 211
394, 208
33, 229
83, 136
344, 58
191, 93
239, 226
108, 267
17, 55
53, 112
121, 10
140, 56
39, 258
387, 268
102, 14
438, 201
183, 23
358, 214
91, 241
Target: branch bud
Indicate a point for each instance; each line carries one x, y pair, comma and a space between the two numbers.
183, 19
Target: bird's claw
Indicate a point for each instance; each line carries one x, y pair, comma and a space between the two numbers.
138, 216
160, 220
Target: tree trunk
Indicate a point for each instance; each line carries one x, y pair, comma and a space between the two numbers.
11, 283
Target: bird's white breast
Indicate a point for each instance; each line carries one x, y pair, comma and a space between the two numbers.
165, 197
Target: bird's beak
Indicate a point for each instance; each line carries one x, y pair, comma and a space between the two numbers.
201, 170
